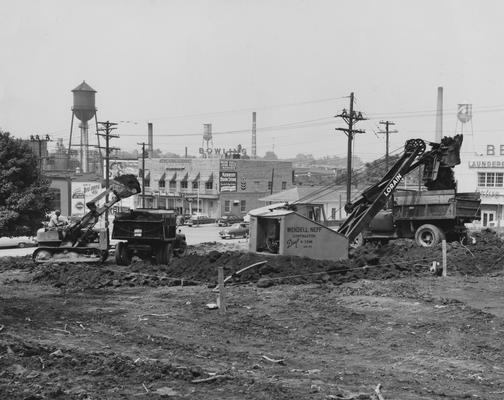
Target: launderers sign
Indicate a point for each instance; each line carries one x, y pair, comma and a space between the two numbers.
486, 164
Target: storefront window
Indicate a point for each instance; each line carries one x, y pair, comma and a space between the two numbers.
481, 179
243, 205
490, 179
499, 179
227, 205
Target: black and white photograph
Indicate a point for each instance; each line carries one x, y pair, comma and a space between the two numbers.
251, 200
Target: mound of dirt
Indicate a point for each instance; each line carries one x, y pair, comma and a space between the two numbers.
397, 259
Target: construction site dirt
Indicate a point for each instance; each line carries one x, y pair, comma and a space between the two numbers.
294, 328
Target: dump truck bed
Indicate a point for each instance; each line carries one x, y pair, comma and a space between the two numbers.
436, 204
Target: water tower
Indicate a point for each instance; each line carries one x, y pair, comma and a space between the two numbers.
207, 142
464, 116
84, 109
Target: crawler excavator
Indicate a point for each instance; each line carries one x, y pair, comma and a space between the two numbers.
80, 241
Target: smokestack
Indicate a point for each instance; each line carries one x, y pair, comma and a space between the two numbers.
150, 139
254, 145
439, 115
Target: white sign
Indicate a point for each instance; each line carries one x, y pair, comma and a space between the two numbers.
82, 192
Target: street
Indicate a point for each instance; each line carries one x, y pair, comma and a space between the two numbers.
194, 235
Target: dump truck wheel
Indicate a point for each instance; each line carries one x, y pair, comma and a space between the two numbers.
181, 251
428, 235
104, 255
164, 253
122, 256
125, 254
118, 253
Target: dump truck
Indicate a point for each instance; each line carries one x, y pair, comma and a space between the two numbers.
148, 234
80, 241
427, 216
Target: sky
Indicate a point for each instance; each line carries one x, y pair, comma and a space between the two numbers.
182, 64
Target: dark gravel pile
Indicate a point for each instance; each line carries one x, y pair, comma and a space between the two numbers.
396, 259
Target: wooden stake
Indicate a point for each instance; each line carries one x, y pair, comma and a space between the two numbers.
222, 291
445, 273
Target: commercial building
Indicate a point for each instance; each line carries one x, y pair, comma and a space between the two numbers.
482, 170
213, 186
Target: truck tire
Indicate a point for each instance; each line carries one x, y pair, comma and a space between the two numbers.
118, 253
163, 253
122, 255
428, 235
181, 251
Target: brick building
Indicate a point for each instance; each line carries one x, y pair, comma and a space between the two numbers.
213, 186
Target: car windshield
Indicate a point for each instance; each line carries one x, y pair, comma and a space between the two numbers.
235, 226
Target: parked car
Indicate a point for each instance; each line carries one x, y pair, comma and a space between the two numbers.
227, 220
18, 241
240, 229
199, 219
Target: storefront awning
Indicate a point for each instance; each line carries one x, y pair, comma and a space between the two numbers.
208, 177
194, 176
170, 176
163, 177
182, 177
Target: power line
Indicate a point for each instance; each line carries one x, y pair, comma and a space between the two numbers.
249, 109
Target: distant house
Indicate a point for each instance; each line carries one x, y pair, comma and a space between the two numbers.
331, 198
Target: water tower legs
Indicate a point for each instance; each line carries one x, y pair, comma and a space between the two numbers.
84, 148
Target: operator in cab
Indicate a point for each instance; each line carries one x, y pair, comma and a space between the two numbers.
57, 221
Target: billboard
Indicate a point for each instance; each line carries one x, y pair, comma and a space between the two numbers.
121, 167
82, 192
228, 181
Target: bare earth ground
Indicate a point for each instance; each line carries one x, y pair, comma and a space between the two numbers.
338, 329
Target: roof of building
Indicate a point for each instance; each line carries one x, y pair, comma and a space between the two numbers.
310, 194
272, 208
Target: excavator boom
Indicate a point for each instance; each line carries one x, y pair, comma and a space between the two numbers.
438, 174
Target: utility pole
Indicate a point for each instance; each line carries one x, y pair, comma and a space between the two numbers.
40, 140
143, 144
107, 127
350, 118
387, 132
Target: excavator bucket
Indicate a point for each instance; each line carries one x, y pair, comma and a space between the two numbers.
439, 163
125, 186
450, 150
